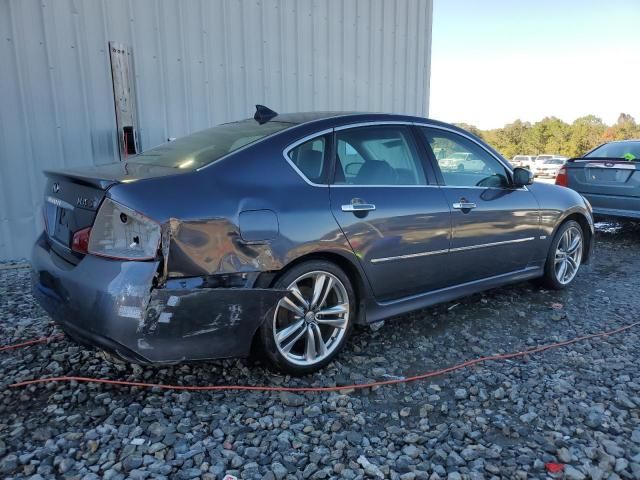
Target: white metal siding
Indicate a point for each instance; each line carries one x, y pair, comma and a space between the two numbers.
197, 63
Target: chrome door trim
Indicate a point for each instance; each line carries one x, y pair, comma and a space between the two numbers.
492, 244
285, 154
410, 255
451, 250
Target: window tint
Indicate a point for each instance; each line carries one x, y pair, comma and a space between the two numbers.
378, 155
309, 158
463, 163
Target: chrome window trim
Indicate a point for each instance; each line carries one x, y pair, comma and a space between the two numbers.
319, 133
450, 250
373, 124
285, 154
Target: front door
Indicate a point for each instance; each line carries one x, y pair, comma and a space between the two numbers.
495, 227
396, 222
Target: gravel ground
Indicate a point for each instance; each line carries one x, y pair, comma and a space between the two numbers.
577, 405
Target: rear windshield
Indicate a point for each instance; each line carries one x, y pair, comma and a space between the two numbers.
626, 150
207, 146
554, 162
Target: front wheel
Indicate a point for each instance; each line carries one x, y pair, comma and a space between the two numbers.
565, 256
312, 322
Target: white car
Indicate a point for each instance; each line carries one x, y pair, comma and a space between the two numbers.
540, 159
550, 168
461, 162
523, 161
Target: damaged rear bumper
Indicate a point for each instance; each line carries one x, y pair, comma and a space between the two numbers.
111, 305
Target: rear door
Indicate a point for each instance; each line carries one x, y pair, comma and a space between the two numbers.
494, 226
397, 222
612, 186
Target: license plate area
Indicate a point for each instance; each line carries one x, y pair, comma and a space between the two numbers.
608, 175
60, 220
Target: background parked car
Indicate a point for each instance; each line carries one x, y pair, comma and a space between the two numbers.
540, 159
461, 161
550, 168
523, 161
609, 177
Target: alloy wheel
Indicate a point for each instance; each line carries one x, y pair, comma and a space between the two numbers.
568, 255
310, 322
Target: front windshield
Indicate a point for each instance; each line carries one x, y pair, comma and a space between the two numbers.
626, 150
554, 162
207, 146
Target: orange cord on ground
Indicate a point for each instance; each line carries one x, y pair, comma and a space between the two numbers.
32, 342
259, 388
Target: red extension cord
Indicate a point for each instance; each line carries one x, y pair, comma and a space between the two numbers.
422, 376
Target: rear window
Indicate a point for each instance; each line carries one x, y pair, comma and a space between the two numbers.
626, 150
207, 146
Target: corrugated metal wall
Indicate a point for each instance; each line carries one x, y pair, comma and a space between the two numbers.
197, 63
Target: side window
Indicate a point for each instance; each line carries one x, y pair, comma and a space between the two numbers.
309, 159
378, 155
463, 163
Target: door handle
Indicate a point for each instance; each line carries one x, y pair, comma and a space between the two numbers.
464, 205
358, 207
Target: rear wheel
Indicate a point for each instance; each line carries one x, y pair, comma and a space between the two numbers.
565, 256
311, 324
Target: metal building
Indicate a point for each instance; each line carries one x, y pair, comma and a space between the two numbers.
84, 82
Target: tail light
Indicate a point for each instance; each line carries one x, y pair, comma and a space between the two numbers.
119, 232
561, 178
80, 241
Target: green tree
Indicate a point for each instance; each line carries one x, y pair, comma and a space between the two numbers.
586, 133
552, 135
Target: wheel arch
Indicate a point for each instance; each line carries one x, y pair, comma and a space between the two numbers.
350, 267
587, 231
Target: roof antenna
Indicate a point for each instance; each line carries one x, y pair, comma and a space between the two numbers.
264, 114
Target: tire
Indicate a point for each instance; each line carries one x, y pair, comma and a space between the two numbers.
299, 350
555, 277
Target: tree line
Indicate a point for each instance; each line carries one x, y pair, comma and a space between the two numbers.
552, 135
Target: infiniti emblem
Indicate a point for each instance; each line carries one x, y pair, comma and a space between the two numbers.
55, 188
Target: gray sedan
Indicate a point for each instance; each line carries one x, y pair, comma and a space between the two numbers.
282, 231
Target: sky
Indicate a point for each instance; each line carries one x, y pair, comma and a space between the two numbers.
494, 61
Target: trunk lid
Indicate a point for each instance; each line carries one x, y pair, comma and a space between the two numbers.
72, 198
604, 176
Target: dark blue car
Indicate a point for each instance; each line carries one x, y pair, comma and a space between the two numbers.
283, 231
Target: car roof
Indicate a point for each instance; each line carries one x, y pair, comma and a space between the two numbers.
337, 118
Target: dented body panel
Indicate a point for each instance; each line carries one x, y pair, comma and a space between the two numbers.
113, 305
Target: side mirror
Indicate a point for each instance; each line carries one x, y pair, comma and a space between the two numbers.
522, 177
